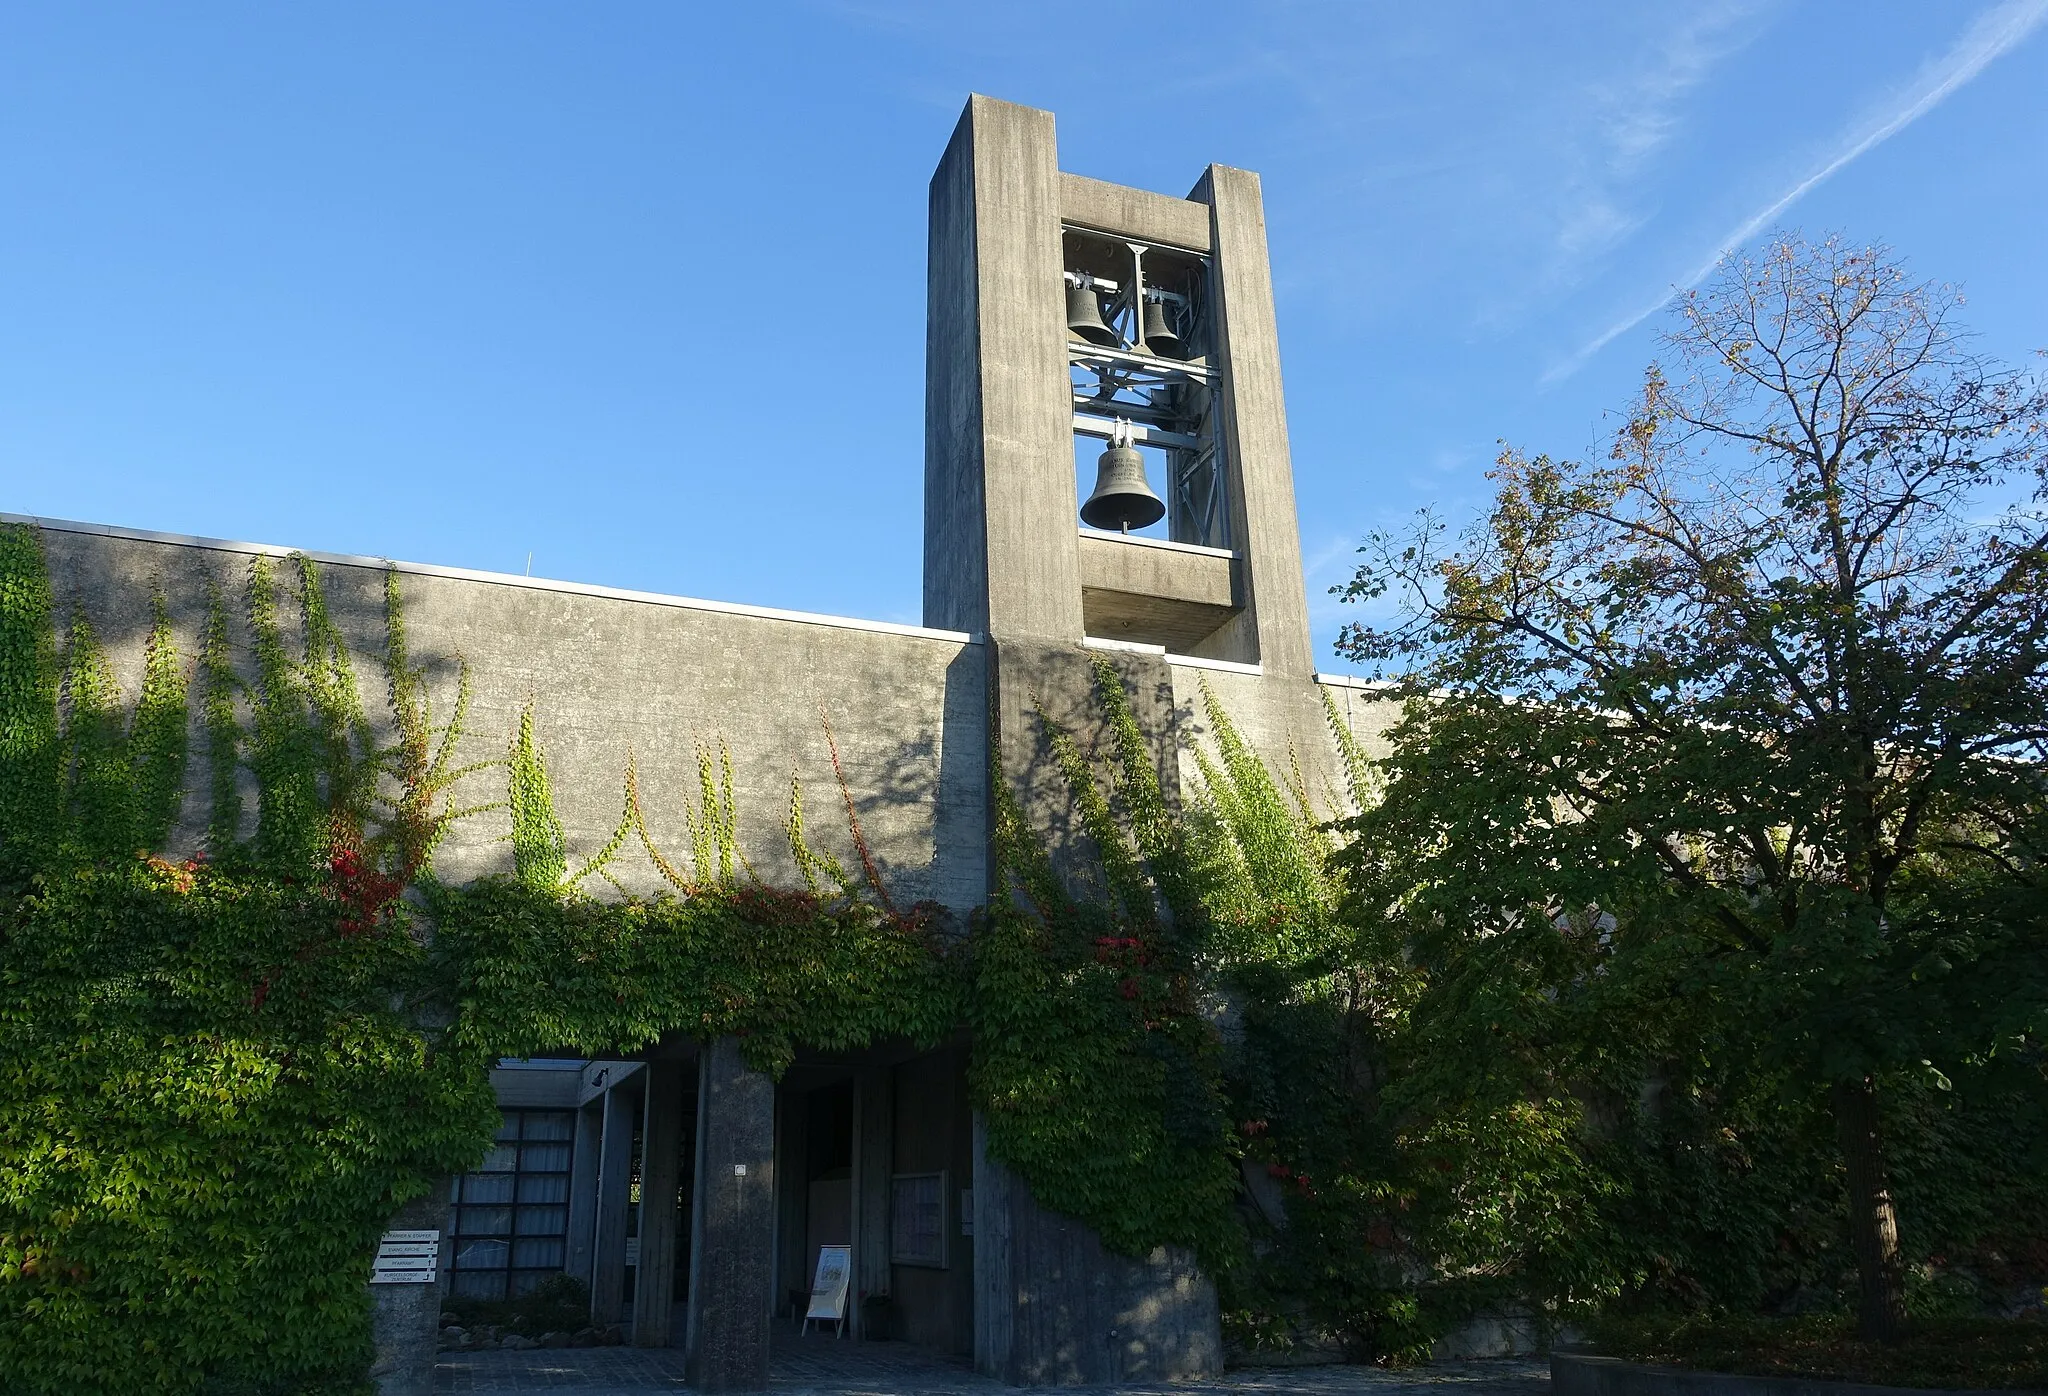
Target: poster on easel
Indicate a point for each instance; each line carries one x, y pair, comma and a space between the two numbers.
828, 1290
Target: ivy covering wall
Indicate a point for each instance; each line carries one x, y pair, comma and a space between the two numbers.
220, 1075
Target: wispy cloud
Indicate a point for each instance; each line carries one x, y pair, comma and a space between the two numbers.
1993, 33
1634, 119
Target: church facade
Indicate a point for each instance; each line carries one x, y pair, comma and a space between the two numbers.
691, 1194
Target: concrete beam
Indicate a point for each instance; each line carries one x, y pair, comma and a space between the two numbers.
792, 1192
874, 1162
1176, 597
661, 1139
614, 1194
1137, 213
584, 1158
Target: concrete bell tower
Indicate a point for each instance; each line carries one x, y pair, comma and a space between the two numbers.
1066, 314
1008, 387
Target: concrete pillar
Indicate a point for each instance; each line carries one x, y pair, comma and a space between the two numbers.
1052, 1307
1273, 626
405, 1320
732, 1224
583, 1166
874, 1155
661, 1136
1002, 542
614, 1200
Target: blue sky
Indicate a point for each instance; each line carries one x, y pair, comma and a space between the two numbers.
638, 288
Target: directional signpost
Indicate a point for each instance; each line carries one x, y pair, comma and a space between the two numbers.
406, 1258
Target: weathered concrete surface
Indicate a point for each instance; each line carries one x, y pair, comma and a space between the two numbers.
1286, 722
732, 1236
1037, 684
1572, 1374
1054, 1308
614, 680
1273, 631
1140, 213
1001, 554
405, 1320
1138, 589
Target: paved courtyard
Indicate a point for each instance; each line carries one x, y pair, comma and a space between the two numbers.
829, 1367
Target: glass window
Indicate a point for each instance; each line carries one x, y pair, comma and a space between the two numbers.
538, 1253
520, 1190
485, 1221
917, 1217
543, 1221
480, 1284
538, 1188
482, 1255
547, 1124
544, 1158
487, 1187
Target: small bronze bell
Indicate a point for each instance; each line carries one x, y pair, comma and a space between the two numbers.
1084, 316
1159, 335
1123, 499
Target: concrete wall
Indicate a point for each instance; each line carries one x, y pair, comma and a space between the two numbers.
1001, 552
618, 677
1285, 720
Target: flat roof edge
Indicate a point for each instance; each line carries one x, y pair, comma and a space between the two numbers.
466, 574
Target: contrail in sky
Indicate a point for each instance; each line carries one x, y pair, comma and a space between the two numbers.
1992, 34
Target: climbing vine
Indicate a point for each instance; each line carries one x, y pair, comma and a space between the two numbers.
222, 1069
225, 1061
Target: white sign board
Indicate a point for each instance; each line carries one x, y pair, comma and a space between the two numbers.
828, 1290
406, 1258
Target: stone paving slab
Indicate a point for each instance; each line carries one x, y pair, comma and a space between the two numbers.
815, 1368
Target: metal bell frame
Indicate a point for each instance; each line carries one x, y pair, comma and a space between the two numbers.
1163, 399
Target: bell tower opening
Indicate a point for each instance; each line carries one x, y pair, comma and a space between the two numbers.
1106, 458
1142, 371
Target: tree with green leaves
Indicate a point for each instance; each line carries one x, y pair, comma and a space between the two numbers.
1742, 726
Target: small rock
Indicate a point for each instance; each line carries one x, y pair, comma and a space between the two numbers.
453, 1337
485, 1344
517, 1342
555, 1339
449, 1320
613, 1335
583, 1338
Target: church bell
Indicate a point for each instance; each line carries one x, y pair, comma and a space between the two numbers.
1159, 335
1122, 500
1084, 316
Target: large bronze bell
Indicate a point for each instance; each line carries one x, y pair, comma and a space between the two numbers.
1084, 316
1159, 335
1123, 499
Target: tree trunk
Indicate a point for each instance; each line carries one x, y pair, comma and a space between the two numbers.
1873, 1222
